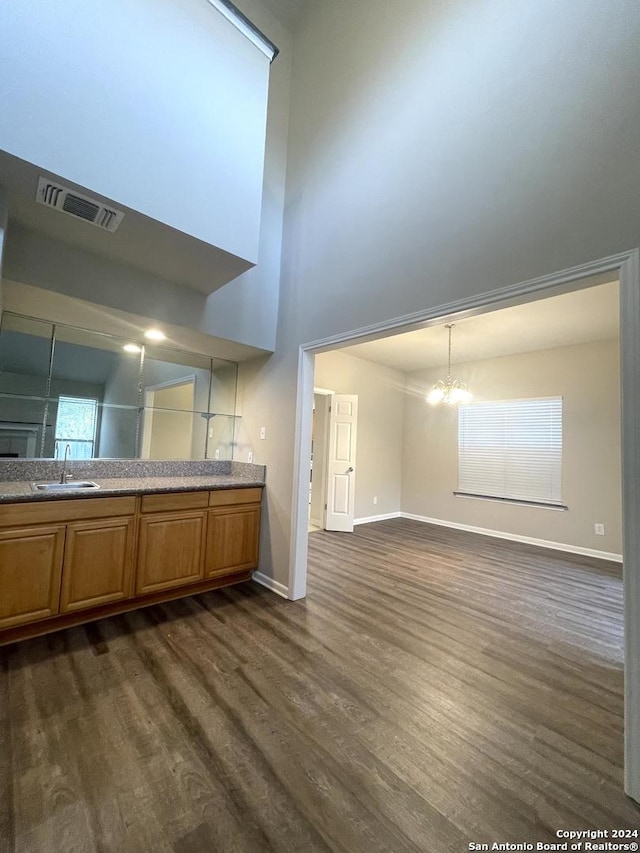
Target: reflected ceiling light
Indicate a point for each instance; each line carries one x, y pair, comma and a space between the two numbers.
132, 348
452, 391
154, 335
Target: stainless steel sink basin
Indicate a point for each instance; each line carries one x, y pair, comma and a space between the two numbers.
70, 485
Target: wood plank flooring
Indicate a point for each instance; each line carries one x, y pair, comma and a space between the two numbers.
435, 688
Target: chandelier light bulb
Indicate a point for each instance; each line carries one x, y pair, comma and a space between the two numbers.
435, 396
459, 395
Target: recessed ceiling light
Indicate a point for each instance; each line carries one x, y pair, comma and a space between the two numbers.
132, 348
154, 335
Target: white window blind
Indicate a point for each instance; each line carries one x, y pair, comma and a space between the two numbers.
511, 449
76, 424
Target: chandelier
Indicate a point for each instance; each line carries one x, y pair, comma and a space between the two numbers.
452, 391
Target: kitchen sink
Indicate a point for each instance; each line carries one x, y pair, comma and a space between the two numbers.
70, 485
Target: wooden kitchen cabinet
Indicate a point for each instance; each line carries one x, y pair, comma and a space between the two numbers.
64, 562
98, 563
233, 536
30, 573
170, 550
171, 540
233, 531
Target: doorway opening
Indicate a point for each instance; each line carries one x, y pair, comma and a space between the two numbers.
332, 484
319, 451
626, 267
167, 429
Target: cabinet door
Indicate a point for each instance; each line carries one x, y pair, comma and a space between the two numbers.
170, 550
98, 563
233, 535
30, 572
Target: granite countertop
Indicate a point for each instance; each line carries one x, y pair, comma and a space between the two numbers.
119, 477
13, 491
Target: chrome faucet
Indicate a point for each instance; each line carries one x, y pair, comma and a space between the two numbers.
63, 476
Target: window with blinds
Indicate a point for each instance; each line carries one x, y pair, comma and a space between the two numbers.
511, 449
76, 424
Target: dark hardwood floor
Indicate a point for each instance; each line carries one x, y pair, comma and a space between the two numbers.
435, 688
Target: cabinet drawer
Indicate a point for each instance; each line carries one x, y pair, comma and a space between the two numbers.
48, 511
174, 501
232, 497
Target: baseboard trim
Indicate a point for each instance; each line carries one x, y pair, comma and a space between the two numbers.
514, 537
370, 518
275, 586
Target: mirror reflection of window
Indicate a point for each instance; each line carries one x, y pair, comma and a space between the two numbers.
76, 424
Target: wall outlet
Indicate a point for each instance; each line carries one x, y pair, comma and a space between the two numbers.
217, 453
250, 456
375, 499
210, 432
263, 432
599, 529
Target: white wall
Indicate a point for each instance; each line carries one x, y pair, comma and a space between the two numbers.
587, 377
159, 106
243, 311
4, 218
246, 309
381, 396
439, 151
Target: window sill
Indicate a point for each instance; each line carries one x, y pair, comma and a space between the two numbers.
512, 501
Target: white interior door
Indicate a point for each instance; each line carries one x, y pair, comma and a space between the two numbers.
341, 467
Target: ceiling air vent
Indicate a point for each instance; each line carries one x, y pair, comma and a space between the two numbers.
90, 209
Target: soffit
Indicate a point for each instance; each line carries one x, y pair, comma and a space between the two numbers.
140, 242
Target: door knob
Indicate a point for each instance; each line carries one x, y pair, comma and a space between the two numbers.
349, 470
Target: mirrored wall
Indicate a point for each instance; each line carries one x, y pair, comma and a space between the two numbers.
106, 397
